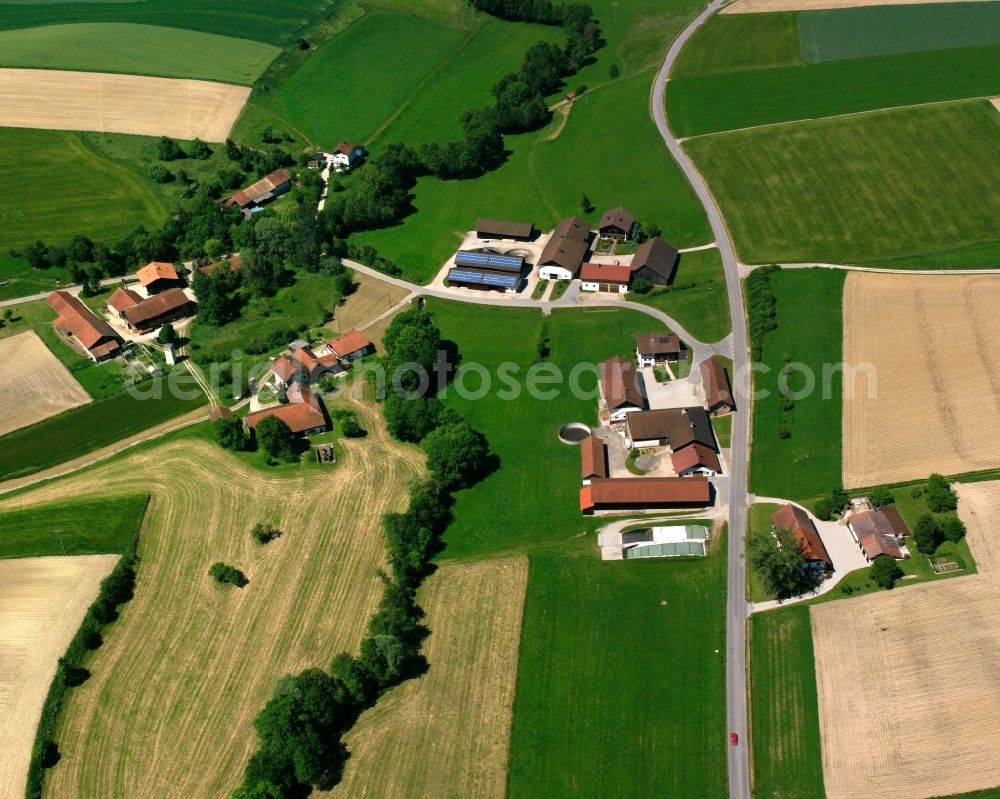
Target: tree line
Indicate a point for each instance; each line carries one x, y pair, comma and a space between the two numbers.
300, 730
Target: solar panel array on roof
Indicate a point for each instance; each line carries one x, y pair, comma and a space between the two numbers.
490, 260
477, 278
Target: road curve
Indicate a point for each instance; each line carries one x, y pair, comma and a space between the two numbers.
736, 610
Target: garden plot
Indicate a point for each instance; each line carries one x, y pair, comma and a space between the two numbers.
931, 341
34, 384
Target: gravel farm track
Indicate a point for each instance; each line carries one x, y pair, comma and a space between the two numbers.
448, 732
34, 384
912, 673
189, 664
110, 103
43, 603
935, 406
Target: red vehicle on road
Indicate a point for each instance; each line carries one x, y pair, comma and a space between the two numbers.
734, 739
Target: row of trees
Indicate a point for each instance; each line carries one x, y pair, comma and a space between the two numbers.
762, 308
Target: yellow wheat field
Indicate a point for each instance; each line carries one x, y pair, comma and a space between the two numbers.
447, 733
110, 103
761, 6
909, 692
34, 384
168, 711
932, 340
42, 603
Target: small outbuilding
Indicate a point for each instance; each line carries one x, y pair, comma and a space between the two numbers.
608, 278
504, 229
718, 390
593, 459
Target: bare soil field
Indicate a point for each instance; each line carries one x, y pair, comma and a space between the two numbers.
931, 340
169, 707
909, 693
112, 103
447, 733
42, 603
763, 6
34, 384
372, 298
995, 101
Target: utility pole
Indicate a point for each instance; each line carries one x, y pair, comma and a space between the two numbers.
61, 544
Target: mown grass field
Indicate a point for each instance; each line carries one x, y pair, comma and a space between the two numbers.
66, 188
739, 42
273, 21
538, 470
714, 103
189, 663
620, 689
697, 298
902, 182
784, 712
79, 527
137, 49
809, 332
975, 255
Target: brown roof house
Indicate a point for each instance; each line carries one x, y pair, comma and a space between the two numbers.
261, 192
696, 459
346, 156
75, 319
609, 278
621, 388
350, 346
565, 250
303, 413
158, 276
644, 493
617, 224
655, 261
121, 299
654, 349
504, 229
676, 427
718, 389
796, 521
878, 534
155, 312
593, 459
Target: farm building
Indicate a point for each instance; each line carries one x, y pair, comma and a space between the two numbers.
696, 459
617, 224
157, 311
609, 278
303, 413
795, 520
158, 276
654, 349
75, 319
718, 390
676, 427
593, 459
621, 388
487, 271
261, 192
664, 542
655, 261
644, 493
504, 229
122, 299
350, 346
876, 533
565, 250
346, 156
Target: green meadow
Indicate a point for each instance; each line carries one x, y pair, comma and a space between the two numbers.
741, 42
893, 184
810, 331
70, 189
137, 49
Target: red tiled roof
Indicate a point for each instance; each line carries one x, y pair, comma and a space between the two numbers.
606, 273
351, 341
646, 491
77, 319
302, 411
283, 367
797, 521
619, 382
875, 545
156, 270
150, 310
235, 262
592, 460
695, 455
344, 148
122, 299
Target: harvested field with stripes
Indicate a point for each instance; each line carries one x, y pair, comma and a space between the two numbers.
912, 674
34, 384
169, 707
42, 603
936, 406
111, 103
447, 733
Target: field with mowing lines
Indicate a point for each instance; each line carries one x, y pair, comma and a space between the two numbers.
137, 50
741, 42
42, 603
860, 188
714, 103
190, 682
767, 6
928, 659
273, 21
447, 732
937, 407
34, 385
60, 100
807, 462
73, 190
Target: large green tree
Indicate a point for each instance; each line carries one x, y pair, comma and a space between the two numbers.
457, 455
927, 534
275, 438
780, 563
884, 571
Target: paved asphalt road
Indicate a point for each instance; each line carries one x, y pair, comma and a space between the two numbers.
736, 612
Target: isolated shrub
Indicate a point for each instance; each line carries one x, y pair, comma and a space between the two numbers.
952, 528
169, 150
823, 510
642, 286
927, 534
880, 497
916, 492
884, 572
224, 573
349, 424
160, 174
167, 334
200, 150
265, 533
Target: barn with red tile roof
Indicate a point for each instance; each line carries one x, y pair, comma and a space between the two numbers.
621, 387
593, 459
303, 412
795, 520
158, 276
75, 319
644, 493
